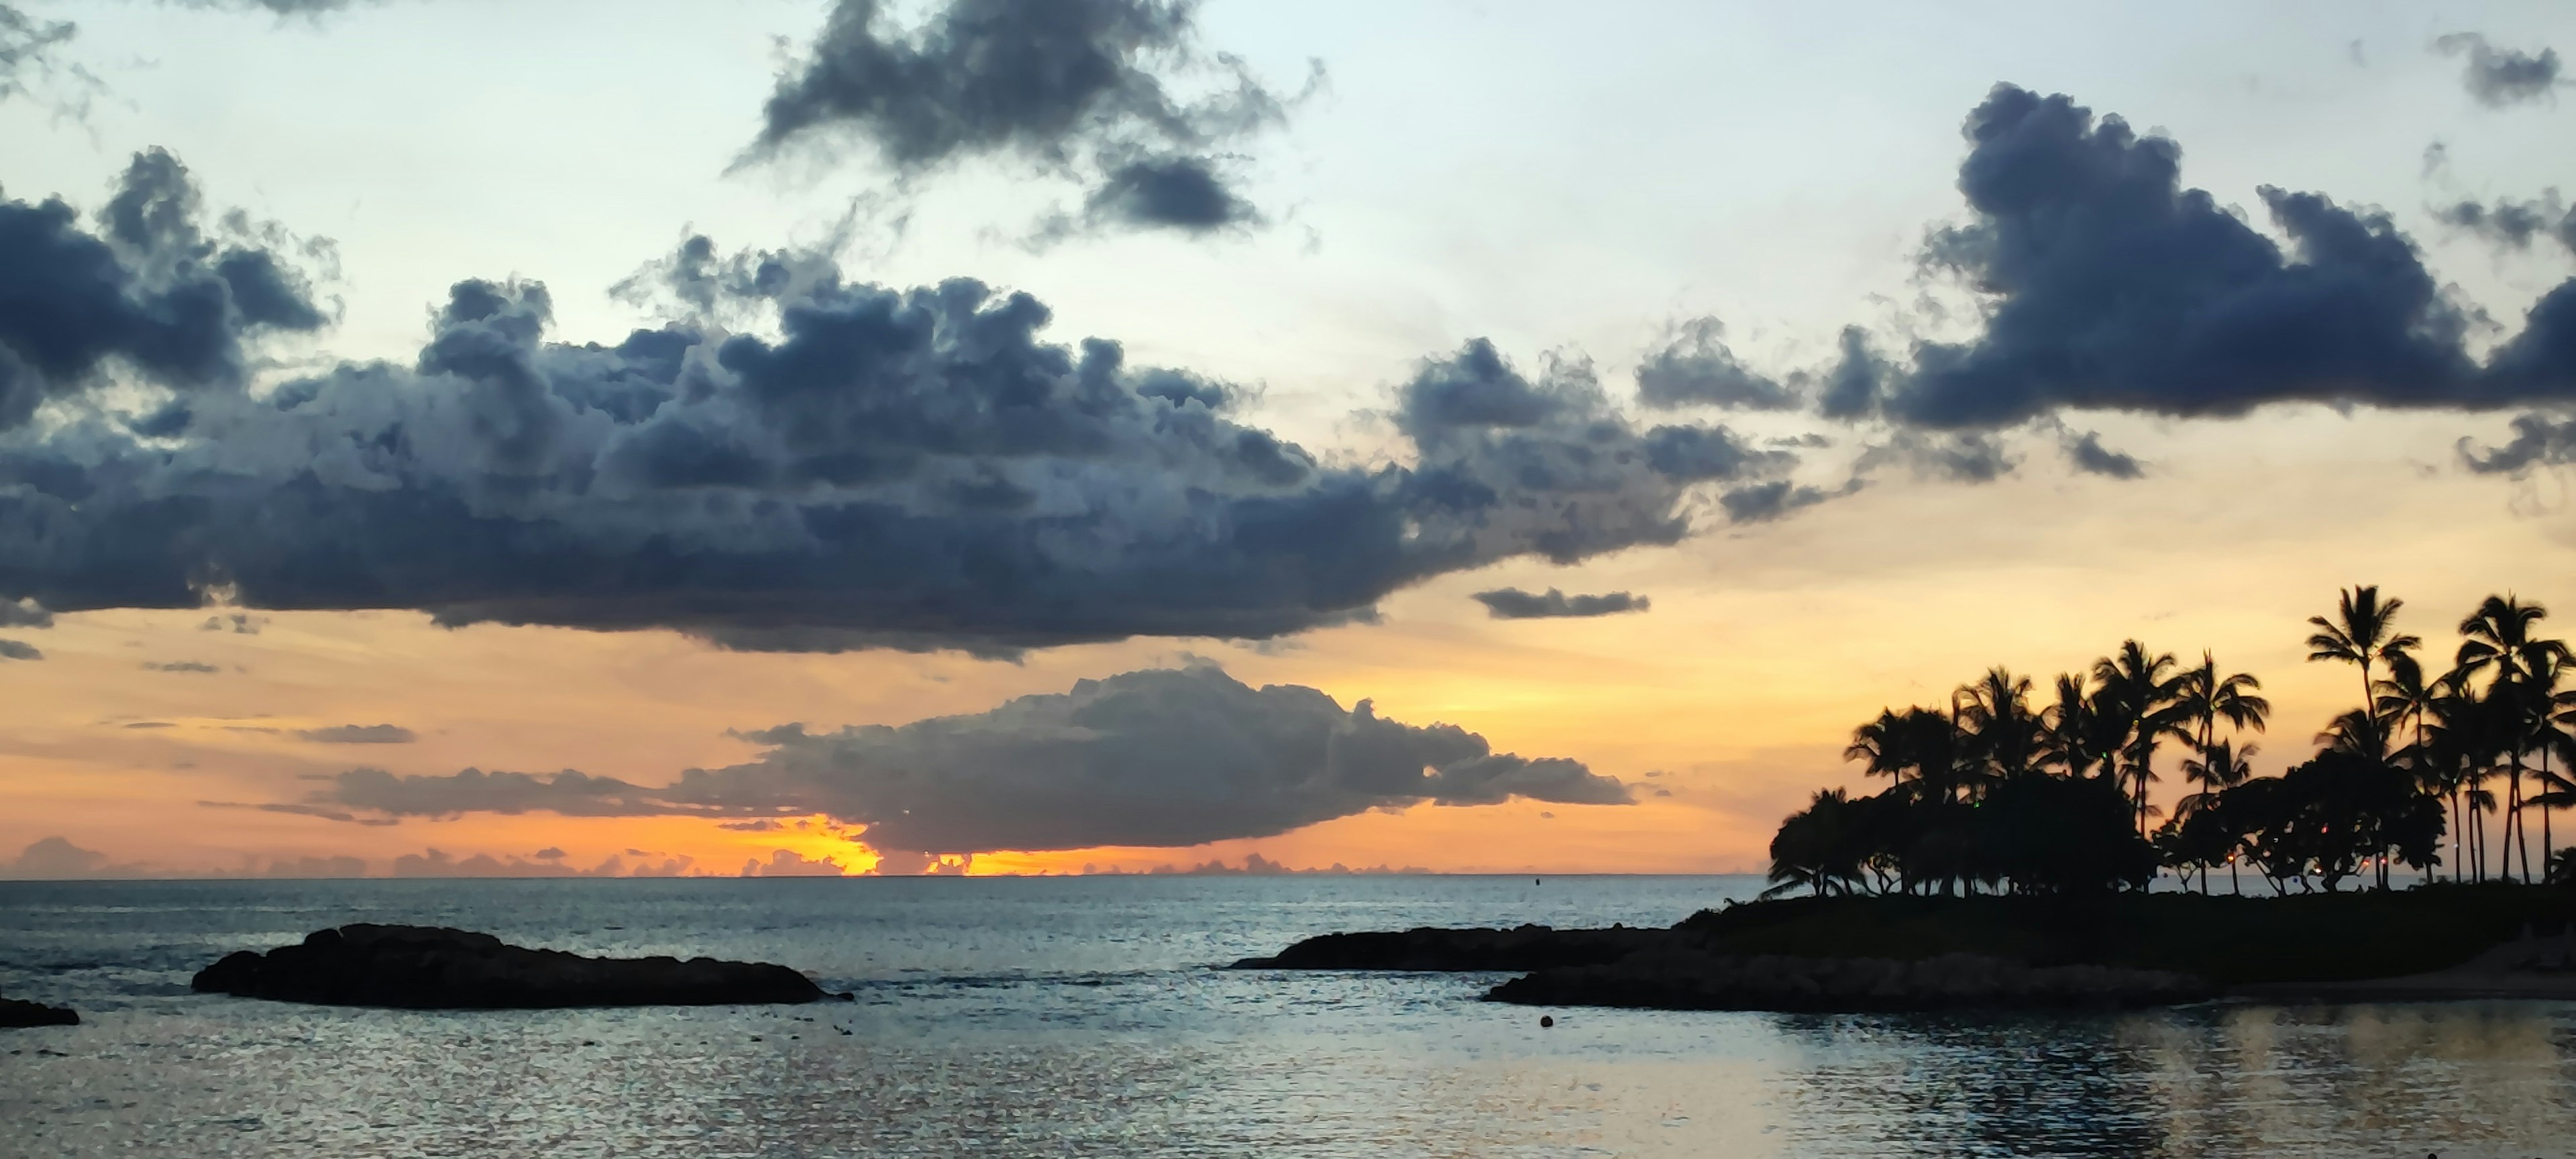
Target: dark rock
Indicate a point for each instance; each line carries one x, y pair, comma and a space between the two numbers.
1438, 950
15, 1014
1681, 977
428, 968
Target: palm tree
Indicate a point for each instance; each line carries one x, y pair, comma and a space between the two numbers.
2068, 730
2207, 697
2218, 768
1880, 746
2362, 632
2138, 697
1997, 712
2499, 640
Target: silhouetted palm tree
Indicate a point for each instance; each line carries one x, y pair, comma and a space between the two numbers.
2138, 694
2362, 632
2069, 734
2219, 767
2499, 640
1880, 747
2007, 733
2208, 697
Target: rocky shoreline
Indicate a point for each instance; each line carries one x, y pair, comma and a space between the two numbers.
1885, 954
1686, 979
432, 968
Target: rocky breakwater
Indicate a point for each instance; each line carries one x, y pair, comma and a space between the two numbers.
1687, 978
430, 968
16, 1014
1432, 950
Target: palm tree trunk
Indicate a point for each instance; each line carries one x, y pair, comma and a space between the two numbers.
2521, 824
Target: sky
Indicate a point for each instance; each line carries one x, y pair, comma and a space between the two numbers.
450, 437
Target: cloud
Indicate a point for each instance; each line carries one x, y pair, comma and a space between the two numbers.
359, 734
238, 623
27, 46
2107, 284
789, 863
917, 469
188, 666
57, 859
149, 293
24, 614
2086, 453
2538, 440
316, 867
1515, 604
1182, 193
1694, 366
19, 650
2499, 77
1086, 87
1959, 457
1159, 757
1765, 502
570, 793
438, 863
2512, 224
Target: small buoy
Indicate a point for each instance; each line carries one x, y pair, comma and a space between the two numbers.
1534, 881
1545, 1021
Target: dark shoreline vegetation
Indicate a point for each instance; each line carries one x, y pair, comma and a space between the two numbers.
2009, 859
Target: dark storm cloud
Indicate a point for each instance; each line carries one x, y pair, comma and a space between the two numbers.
1084, 86
1515, 604
850, 466
149, 293
2086, 453
2514, 224
2110, 285
1159, 757
2498, 77
19, 650
359, 734
1851, 389
2538, 441
24, 614
1697, 367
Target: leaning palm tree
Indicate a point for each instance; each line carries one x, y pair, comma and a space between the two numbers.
1881, 747
2362, 632
2207, 697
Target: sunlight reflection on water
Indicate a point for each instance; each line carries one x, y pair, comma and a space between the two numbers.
1065, 1019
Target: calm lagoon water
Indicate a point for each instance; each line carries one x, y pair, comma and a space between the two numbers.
1083, 1017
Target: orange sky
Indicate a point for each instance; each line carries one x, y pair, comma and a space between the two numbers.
1725, 704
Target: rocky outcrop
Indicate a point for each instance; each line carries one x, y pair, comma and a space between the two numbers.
429, 968
16, 1014
1682, 978
1529, 947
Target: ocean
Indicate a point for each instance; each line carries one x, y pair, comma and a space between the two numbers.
1088, 1017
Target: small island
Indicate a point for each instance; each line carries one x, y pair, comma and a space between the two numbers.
432, 968
19, 1014
2008, 862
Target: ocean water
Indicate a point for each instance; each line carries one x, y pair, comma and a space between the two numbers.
1085, 1017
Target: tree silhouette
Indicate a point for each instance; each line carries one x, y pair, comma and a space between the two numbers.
2363, 632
